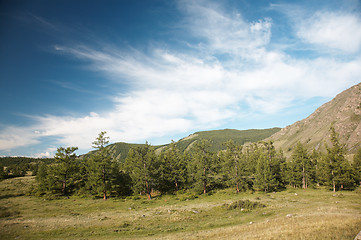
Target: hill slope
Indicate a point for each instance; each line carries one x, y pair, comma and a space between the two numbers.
120, 150
344, 111
219, 137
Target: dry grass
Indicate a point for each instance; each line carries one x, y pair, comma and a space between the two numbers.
292, 214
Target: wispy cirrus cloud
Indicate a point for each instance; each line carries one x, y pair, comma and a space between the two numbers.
173, 92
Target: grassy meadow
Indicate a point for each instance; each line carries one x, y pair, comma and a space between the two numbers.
290, 214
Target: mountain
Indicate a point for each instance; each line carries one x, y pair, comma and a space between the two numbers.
217, 139
344, 111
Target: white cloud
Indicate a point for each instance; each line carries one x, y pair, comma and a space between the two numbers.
222, 31
335, 30
13, 137
49, 153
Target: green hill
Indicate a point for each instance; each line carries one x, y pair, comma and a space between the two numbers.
217, 138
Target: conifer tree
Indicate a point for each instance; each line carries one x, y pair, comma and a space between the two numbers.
3, 173
234, 165
142, 166
201, 166
99, 167
269, 169
172, 168
337, 169
66, 166
302, 166
357, 166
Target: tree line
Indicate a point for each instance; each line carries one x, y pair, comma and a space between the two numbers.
19, 166
254, 167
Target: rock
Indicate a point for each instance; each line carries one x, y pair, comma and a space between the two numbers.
195, 211
289, 215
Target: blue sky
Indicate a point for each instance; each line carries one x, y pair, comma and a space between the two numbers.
159, 70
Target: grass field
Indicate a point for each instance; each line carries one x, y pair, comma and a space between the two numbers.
291, 214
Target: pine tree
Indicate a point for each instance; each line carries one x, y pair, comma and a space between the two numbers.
337, 168
357, 166
66, 166
99, 166
173, 169
269, 169
3, 173
142, 166
201, 166
302, 166
234, 165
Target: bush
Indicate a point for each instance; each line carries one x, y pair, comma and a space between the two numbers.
245, 205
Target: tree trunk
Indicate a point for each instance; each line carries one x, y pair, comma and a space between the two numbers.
64, 186
148, 190
204, 182
333, 182
104, 194
303, 178
176, 185
104, 185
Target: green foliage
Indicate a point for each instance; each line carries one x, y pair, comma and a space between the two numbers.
244, 205
256, 166
7, 161
217, 138
142, 165
269, 175
235, 166
356, 164
202, 166
101, 170
172, 170
66, 166
301, 168
336, 171
3, 173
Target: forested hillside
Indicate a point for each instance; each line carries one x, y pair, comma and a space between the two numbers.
256, 167
216, 138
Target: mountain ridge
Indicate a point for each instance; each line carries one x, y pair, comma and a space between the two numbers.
343, 112
119, 150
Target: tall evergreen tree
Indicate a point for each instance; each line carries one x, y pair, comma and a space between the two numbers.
356, 164
302, 166
235, 166
337, 169
202, 165
99, 167
142, 166
66, 165
269, 168
172, 168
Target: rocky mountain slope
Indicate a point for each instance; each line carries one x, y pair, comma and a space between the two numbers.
344, 111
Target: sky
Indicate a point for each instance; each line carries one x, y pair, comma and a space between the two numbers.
160, 70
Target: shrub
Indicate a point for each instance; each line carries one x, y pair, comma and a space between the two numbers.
244, 204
